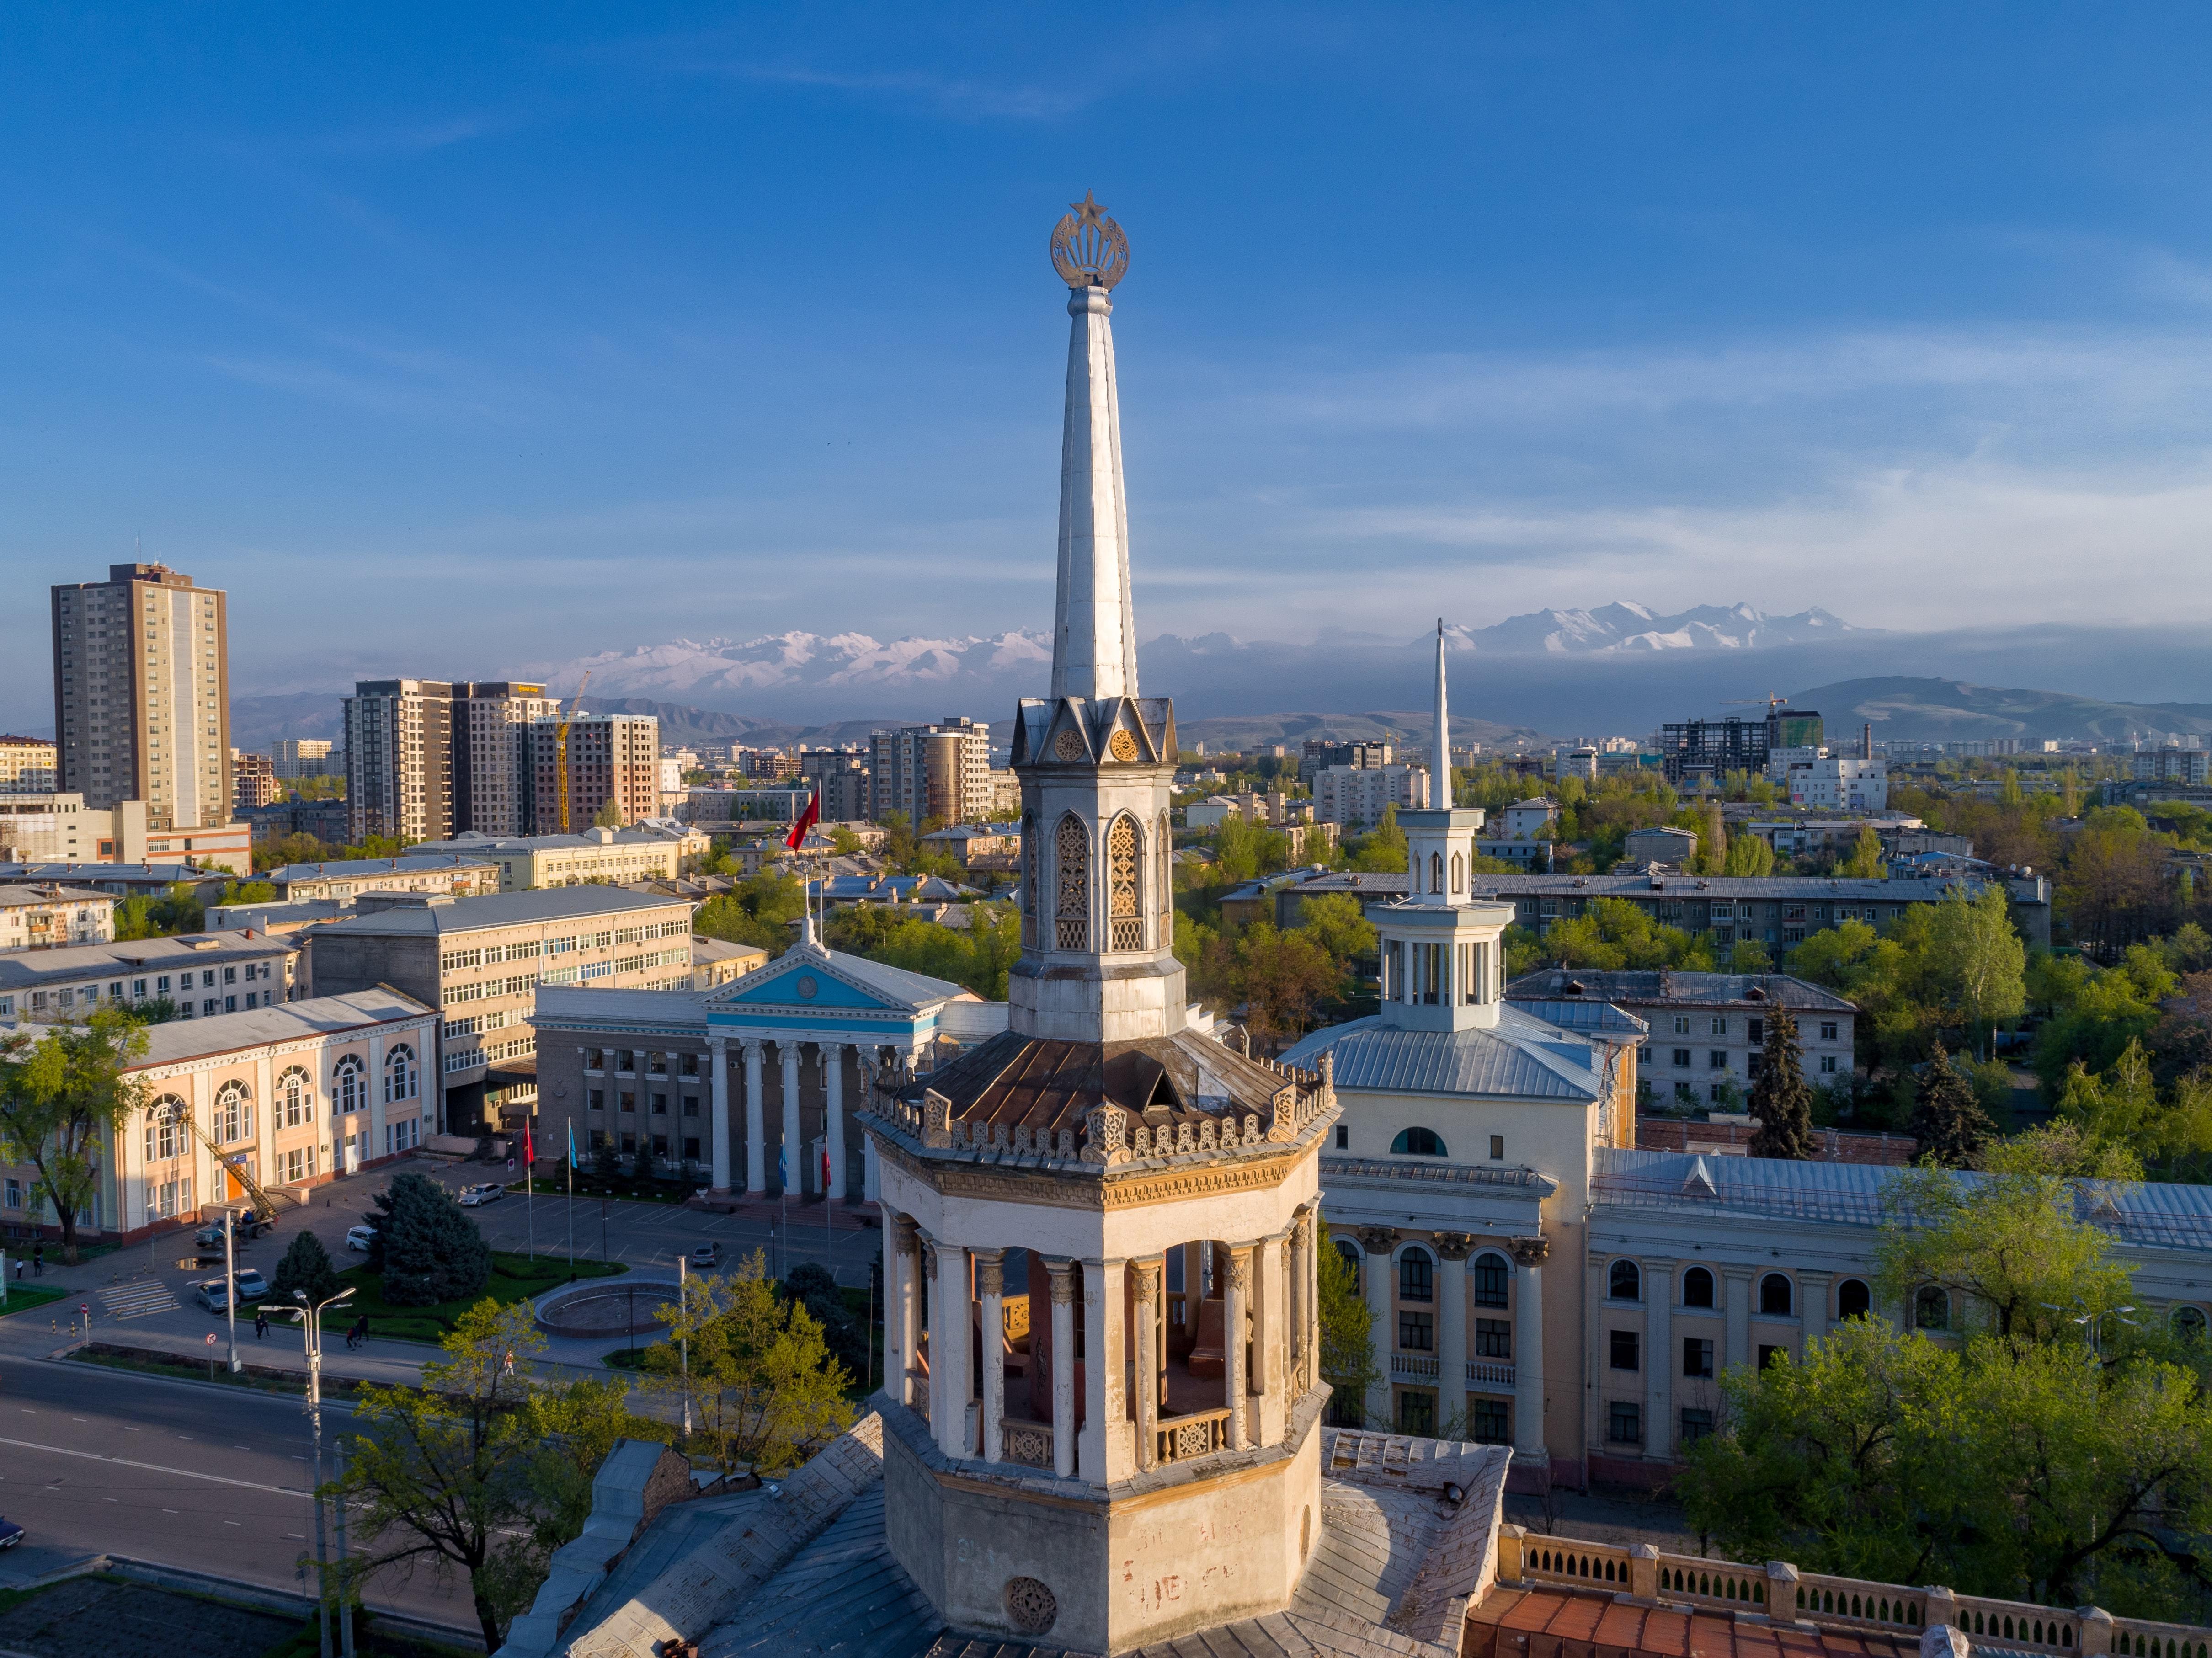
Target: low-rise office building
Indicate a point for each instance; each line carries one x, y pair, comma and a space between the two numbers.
657, 850
346, 880
203, 973
61, 828
290, 1095
1778, 911
42, 916
1708, 1030
481, 961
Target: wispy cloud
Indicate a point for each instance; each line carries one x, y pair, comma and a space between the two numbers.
960, 97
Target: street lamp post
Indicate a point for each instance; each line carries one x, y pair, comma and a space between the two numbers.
230, 1281
683, 1334
311, 1329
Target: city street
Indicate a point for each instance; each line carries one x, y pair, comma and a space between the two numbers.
94, 1461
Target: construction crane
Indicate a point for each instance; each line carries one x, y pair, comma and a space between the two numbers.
233, 1164
561, 750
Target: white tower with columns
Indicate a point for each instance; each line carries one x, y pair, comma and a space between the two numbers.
1443, 955
1103, 1399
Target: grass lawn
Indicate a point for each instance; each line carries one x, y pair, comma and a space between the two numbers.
513, 1278
23, 1297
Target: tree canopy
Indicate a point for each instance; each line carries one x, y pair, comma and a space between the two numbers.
65, 1098
426, 1246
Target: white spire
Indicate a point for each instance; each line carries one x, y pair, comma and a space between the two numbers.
1094, 646
1440, 795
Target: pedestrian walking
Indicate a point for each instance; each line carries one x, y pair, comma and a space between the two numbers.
507, 1363
39, 1256
260, 1324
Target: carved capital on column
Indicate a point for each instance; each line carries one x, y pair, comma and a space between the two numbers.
751, 1046
1149, 1273
1062, 1273
1301, 1230
1378, 1240
1529, 1252
909, 1234
929, 1256
1240, 1268
1454, 1246
718, 1041
990, 1272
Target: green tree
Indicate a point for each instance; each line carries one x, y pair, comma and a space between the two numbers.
1984, 961
758, 911
65, 1099
2169, 1131
1749, 855
1278, 978
426, 1247
1865, 863
609, 815
1382, 850
1948, 1120
306, 1267
479, 1469
1779, 1098
1713, 844
1243, 849
1347, 1332
765, 1387
1335, 921
179, 911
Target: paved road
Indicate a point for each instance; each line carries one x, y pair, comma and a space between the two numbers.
93, 1462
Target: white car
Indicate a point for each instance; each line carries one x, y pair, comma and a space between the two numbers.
360, 1237
489, 1192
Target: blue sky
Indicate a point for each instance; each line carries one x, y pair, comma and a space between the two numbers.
456, 339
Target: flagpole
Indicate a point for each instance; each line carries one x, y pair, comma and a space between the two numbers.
572, 1197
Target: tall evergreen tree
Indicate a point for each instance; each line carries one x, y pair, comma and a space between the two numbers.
1948, 1120
305, 1267
428, 1249
1780, 1098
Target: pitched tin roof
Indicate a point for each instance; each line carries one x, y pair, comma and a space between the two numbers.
1522, 1057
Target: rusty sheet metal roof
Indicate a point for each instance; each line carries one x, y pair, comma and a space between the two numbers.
1549, 1623
1039, 1083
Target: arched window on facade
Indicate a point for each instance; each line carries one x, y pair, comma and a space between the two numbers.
1124, 864
1777, 1297
1071, 852
1459, 874
1164, 877
1029, 880
2188, 1323
1625, 1281
1417, 1274
400, 1075
1418, 1143
1491, 1272
1853, 1298
1697, 1288
349, 1092
1348, 1252
1931, 1308
295, 1098
234, 1114
1436, 871
166, 1136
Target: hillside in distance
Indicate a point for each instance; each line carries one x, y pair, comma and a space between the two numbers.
1951, 710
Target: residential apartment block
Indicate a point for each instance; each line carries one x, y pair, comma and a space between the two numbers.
2191, 766
27, 765
1834, 782
611, 757
304, 757
430, 758
1708, 1030
253, 781
204, 974
480, 962
1356, 796
45, 916
494, 778
840, 777
658, 851
941, 771
142, 694
346, 881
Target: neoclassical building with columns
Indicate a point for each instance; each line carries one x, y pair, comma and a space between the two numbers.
756, 1083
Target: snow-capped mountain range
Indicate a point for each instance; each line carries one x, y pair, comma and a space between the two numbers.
714, 672
1621, 628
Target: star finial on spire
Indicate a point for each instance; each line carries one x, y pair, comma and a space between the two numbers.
1088, 210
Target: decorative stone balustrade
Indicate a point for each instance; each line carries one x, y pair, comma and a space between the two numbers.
1414, 1367
1779, 1590
1489, 1373
1027, 1443
1180, 1438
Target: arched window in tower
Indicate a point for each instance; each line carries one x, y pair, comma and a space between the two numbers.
1163, 876
1125, 863
1072, 885
1459, 874
1436, 871
1029, 880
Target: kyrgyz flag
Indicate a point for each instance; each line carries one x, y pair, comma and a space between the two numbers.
807, 820
529, 1148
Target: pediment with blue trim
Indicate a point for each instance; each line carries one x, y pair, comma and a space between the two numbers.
809, 979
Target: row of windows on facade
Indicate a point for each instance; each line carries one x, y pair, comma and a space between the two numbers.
626, 1062
1754, 1029
168, 1135
1418, 1141
1434, 974
657, 1144
626, 1101
1417, 1273
165, 987
1718, 1059
530, 949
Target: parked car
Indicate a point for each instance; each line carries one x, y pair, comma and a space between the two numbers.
707, 1254
360, 1237
213, 1294
247, 1226
252, 1286
488, 1192
10, 1533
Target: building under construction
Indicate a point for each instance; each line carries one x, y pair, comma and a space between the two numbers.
1706, 750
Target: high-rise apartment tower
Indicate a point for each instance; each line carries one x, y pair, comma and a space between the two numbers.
142, 694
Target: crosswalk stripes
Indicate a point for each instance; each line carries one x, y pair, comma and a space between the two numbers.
138, 1300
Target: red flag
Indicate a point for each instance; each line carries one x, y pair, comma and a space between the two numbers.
807, 820
529, 1148
825, 1173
